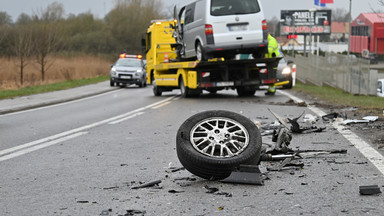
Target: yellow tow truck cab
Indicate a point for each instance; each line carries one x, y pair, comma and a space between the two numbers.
167, 72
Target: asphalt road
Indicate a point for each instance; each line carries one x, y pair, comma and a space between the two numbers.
84, 156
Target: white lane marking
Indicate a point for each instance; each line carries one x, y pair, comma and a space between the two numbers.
161, 105
126, 118
40, 146
368, 151
83, 128
61, 104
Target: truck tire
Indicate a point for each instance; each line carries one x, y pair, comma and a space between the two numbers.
245, 92
156, 90
185, 92
212, 144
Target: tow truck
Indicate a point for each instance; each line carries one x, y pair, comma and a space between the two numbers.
166, 71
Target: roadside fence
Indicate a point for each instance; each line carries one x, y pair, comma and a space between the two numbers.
348, 73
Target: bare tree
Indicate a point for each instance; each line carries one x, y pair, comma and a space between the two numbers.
22, 48
46, 41
5, 19
47, 38
340, 15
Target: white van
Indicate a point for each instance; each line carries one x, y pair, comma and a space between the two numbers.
221, 28
380, 88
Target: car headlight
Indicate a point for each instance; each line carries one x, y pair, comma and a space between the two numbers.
113, 71
139, 70
286, 71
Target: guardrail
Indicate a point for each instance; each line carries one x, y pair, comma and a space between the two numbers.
348, 73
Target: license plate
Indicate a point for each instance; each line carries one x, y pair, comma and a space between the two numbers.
237, 28
125, 77
220, 84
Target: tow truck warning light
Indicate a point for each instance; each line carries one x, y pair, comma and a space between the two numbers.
130, 56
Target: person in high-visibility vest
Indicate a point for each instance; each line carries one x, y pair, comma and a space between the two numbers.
273, 51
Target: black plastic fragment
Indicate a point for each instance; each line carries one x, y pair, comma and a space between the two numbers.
369, 190
246, 174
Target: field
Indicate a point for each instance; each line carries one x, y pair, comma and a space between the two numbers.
61, 69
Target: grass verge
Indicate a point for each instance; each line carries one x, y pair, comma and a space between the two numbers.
51, 87
338, 97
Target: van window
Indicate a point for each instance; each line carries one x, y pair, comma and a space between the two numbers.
189, 13
232, 7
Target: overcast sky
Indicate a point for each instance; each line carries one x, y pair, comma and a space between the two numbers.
101, 7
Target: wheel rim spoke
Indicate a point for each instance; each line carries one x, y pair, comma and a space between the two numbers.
219, 137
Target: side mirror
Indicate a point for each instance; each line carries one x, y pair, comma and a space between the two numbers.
379, 91
111, 65
290, 62
175, 13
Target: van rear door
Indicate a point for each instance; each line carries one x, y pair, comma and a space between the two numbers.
236, 22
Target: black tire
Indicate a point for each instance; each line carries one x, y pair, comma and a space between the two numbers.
111, 83
185, 92
239, 131
245, 92
200, 54
156, 90
290, 85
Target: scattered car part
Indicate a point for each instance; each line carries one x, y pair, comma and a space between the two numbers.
270, 157
369, 190
212, 144
330, 116
282, 121
366, 119
149, 184
246, 174
282, 138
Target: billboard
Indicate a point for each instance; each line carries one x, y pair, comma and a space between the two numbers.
300, 22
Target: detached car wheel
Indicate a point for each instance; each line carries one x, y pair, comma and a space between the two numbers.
212, 144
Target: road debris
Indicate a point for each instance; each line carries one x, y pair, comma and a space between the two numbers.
247, 174
369, 190
211, 189
106, 212
134, 212
149, 184
366, 119
175, 191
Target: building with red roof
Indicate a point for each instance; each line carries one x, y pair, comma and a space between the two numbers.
368, 33
339, 31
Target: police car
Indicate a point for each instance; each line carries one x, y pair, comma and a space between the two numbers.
128, 69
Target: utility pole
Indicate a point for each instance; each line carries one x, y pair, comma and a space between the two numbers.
350, 26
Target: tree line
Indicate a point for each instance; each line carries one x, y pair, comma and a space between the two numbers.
49, 33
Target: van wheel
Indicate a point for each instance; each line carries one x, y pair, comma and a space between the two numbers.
111, 83
212, 144
184, 90
200, 55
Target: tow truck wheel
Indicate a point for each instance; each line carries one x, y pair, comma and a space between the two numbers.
184, 90
212, 144
244, 92
156, 90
